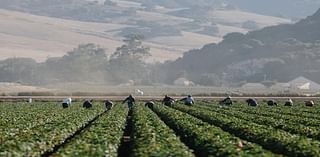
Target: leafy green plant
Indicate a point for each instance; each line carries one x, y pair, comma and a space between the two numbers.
151, 137
273, 139
32, 130
102, 138
205, 139
293, 124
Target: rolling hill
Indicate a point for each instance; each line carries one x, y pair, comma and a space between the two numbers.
25, 35
42, 29
276, 53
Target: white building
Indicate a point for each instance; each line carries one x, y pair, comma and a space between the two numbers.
302, 83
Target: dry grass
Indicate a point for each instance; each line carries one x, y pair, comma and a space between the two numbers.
238, 17
26, 35
39, 37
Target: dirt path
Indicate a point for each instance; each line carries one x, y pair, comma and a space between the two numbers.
126, 141
67, 140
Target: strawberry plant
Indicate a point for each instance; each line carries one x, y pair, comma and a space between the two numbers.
151, 137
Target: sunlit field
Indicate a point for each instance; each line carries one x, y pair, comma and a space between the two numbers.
204, 129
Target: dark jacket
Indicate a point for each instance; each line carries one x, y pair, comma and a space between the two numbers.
168, 101
272, 103
252, 102
108, 104
129, 99
227, 101
288, 103
87, 104
309, 103
149, 104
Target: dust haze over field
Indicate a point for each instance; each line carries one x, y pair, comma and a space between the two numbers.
220, 43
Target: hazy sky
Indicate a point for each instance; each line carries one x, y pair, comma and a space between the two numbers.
292, 8
287, 8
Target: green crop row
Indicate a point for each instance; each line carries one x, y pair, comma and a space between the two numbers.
205, 139
291, 114
43, 138
300, 120
102, 138
285, 113
28, 119
151, 137
296, 111
287, 125
17, 117
270, 138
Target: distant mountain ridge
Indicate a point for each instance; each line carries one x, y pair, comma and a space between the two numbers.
286, 8
276, 53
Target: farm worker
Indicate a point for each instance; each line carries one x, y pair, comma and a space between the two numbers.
289, 102
130, 100
309, 103
149, 104
188, 100
227, 101
252, 102
66, 102
87, 104
108, 104
30, 100
168, 101
272, 103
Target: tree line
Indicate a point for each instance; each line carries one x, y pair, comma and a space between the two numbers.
86, 63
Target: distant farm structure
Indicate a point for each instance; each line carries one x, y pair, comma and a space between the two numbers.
300, 85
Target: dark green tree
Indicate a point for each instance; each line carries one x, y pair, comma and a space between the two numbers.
133, 47
20, 70
128, 61
87, 62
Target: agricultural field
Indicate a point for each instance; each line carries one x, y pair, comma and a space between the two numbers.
205, 129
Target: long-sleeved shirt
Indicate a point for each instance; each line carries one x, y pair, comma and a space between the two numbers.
67, 101
167, 99
130, 100
188, 100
